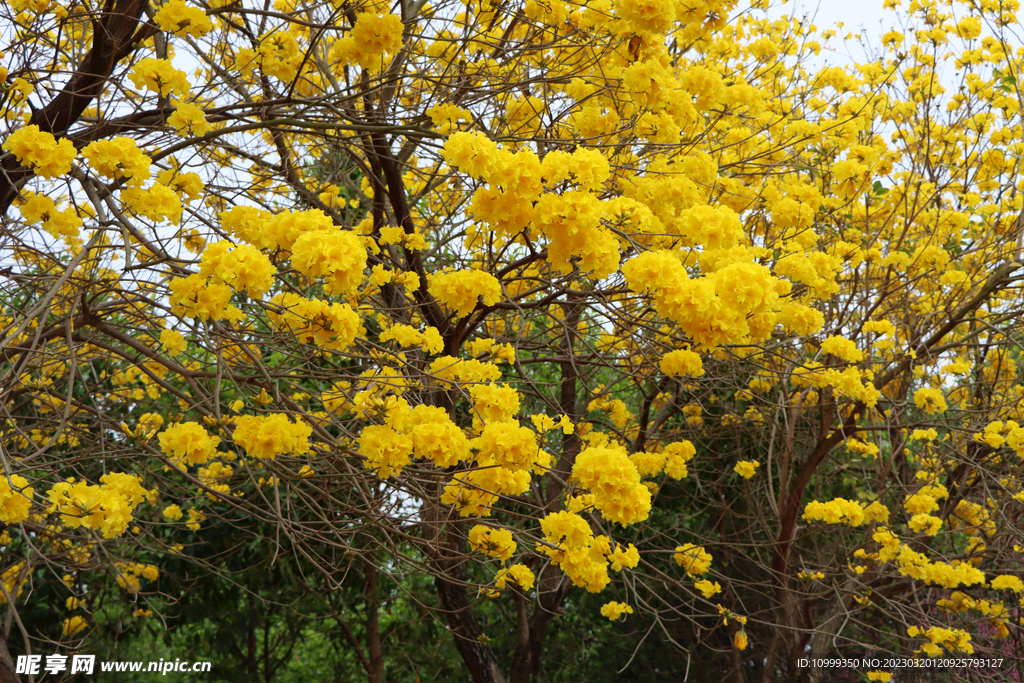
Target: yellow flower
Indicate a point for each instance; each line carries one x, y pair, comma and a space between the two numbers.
160, 76
372, 37
177, 17
1008, 582
842, 348
494, 542
118, 157
15, 499
268, 436
195, 519
46, 155
708, 588
188, 119
693, 558
630, 557
73, 626
930, 400
518, 574
682, 362
386, 450
740, 640
614, 610
173, 342
336, 255
156, 202
188, 443
746, 468
460, 290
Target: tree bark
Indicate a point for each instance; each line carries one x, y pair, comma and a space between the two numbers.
7, 674
477, 655
375, 665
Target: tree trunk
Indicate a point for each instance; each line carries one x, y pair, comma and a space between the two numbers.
467, 632
375, 665
7, 674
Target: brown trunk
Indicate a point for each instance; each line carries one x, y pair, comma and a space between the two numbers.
7, 674
521, 656
250, 658
551, 585
375, 665
477, 655
447, 544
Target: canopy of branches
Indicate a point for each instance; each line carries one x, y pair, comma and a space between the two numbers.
465, 311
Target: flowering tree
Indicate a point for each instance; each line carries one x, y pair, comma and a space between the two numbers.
530, 299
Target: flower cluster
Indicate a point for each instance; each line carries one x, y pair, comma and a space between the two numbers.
195, 297
494, 542
842, 348
372, 38
188, 119
693, 559
157, 202
387, 451
407, 336
842, 511
493, 403
614, 610
160, 76
434, 436
518, 574
506, 444
243, 267
180, 18
746, 468
40, 208
267, 436
682, 362
930, 400
46, 155
954, 640
336, 255
735, 302
15, 499
460, 290
615, 483
447, 369
107, 508
188, 443
315, 321
118, 157
474, 493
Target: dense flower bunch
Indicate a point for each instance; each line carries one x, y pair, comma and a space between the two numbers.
159, 76
461, 290
48, 156
615, 483
15, 499
315, 321
271, 435
188, 443
106, 508
180, 18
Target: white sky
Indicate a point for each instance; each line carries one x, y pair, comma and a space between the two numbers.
853, 13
